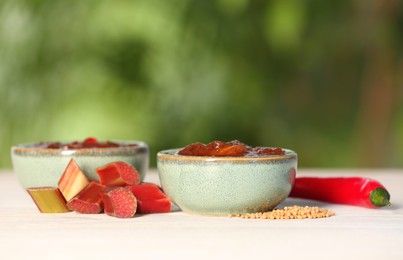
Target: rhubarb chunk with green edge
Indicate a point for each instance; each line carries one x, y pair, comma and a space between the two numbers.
72, 181
48, 199
119, 202
150, 198
118, 174
89, 200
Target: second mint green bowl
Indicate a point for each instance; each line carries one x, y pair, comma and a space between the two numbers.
41, 167
226, 185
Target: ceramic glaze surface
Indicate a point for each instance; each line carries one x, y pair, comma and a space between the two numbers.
44, 167
211, 185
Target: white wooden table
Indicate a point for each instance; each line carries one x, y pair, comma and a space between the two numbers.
354, 233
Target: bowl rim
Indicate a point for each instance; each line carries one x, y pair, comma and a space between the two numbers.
27, 148
172, 154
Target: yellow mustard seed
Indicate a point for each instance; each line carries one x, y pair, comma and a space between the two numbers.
294, 212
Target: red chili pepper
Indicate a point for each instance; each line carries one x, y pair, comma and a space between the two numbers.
355, 191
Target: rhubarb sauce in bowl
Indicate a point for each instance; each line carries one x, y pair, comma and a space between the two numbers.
226, 178
42, 164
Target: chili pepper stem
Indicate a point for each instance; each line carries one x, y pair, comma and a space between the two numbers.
380, 197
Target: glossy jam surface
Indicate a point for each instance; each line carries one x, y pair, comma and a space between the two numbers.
229, 149
89, 142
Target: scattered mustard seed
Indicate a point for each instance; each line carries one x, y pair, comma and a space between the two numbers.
294, 212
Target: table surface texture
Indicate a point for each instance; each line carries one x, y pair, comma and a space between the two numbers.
353, 233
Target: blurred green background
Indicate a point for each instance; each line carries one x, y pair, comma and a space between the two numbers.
323, 78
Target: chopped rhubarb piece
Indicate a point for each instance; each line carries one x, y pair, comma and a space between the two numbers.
89, 200
118, 174
154, 206
147, 191
48, 199
119, 202
72, 181
150, 198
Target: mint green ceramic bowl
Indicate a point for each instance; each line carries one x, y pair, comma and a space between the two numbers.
226, 185
39, 167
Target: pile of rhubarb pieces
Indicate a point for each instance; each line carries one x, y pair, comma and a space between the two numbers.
119, 193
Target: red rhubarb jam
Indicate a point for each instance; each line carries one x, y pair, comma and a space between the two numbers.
231, 149
89, 142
